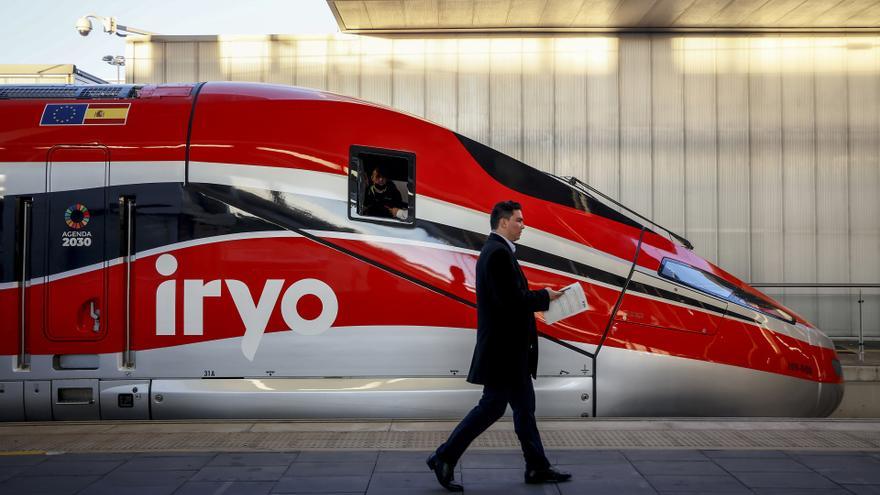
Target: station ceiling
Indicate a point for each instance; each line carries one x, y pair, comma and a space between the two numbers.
421, 16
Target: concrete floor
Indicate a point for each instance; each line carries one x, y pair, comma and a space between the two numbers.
607, 471
614, 457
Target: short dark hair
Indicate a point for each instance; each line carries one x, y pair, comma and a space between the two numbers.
501, 210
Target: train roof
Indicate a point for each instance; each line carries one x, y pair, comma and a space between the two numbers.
136, 92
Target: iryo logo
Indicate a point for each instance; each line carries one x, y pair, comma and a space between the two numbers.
255, 315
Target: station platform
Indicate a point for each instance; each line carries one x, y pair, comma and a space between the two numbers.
861, 371
618, 456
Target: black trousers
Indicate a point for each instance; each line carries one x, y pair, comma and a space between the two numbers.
520, 394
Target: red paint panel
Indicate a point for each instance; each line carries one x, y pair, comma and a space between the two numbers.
10, 323
71, 302
743, 344
735, 344
37, 340
451, 271
645, 311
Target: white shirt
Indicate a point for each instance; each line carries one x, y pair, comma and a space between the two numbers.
509, 243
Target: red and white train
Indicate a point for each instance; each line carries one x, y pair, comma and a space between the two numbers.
200, 251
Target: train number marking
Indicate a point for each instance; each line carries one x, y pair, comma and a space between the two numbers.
800, 368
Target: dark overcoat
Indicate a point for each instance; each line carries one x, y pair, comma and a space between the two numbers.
507, 337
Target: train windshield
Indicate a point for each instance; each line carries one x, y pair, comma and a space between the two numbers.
697, 279
711, 284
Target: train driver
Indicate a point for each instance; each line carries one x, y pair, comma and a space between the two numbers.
382, 198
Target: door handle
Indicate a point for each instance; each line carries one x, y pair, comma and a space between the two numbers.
96, 316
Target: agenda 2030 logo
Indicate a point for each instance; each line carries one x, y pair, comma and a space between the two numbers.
77, 217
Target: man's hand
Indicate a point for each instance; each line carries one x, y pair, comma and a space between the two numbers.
554, 294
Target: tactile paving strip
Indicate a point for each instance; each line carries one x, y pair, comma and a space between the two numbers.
197, 436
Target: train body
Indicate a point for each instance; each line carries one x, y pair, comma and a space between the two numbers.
204, 251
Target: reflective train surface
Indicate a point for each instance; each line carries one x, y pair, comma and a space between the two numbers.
204, 251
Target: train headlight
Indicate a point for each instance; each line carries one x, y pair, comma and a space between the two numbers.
835, 363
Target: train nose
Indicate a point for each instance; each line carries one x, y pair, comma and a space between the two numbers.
831, 384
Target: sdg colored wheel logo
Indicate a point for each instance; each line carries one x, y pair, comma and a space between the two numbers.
77, 216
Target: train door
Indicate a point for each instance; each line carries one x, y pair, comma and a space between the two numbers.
76, 289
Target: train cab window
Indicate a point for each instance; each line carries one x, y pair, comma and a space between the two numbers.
381, 186
696, 278
718, 287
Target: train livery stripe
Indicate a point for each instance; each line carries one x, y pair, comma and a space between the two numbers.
24, 178
334, 186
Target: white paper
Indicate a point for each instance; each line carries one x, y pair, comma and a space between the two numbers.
572, 302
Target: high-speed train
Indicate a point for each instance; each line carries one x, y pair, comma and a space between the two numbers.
204, 251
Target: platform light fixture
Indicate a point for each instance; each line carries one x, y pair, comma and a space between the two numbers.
117, 60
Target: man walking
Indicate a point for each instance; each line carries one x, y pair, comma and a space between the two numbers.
506, 355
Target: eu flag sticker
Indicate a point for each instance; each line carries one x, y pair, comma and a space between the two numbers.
64, 114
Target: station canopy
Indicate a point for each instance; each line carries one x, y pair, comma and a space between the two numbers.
425, 16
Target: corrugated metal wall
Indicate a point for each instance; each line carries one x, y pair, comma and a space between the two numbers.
763, 150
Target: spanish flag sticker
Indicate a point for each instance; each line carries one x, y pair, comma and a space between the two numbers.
107, 113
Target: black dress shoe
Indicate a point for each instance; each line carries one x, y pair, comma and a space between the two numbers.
549, 475
444, 472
